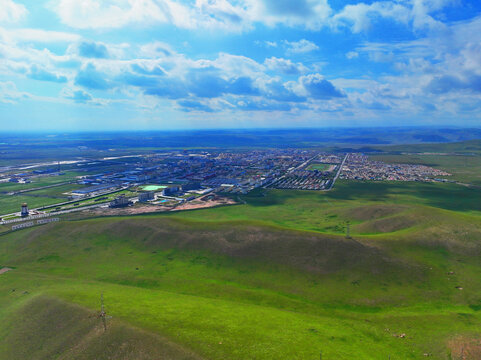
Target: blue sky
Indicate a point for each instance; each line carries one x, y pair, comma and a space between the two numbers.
178, 64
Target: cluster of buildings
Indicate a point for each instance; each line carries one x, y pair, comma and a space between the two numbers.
174, 177
359, 167
26, 176
317, 173
120, 201
242, 171
222, 171
330, 158
19, 178
305, 180
94, 190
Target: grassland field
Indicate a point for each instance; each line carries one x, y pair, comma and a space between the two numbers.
36, 198
270, 279
40, 182
472, 147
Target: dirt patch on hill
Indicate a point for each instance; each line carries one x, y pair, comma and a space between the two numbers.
4, 270
200, 203
465, 348
205, 202
131, 210
387, 224
371, 212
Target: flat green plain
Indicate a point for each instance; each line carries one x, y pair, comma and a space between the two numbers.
40, 181
37, 198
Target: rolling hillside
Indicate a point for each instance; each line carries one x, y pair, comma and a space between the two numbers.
257, 280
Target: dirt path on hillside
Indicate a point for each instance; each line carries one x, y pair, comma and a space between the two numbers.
4, 270
131, 210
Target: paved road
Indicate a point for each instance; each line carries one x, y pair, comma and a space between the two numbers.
337, 174
64, 211
40, 188
304, 163
289, 171
74, 209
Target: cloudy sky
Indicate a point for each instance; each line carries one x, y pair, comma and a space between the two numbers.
179, 64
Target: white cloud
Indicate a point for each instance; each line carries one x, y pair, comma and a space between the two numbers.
449, 57
301, 46
360, 16
422, 9
285, 66
229, 15
452, 50
94, 14
417, 13
308, 14
84, 14
157, 49
11, 12
223, 14
37, 35
434, 73
9, 93
237, 65
240, 15
352, 54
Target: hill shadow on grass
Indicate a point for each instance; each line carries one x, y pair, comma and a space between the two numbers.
352, 190
452, 197
264, 197
444, 196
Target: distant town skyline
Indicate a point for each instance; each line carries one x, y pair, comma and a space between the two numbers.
91, 65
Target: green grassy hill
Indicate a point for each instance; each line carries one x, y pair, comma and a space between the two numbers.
270, 279
48, 328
